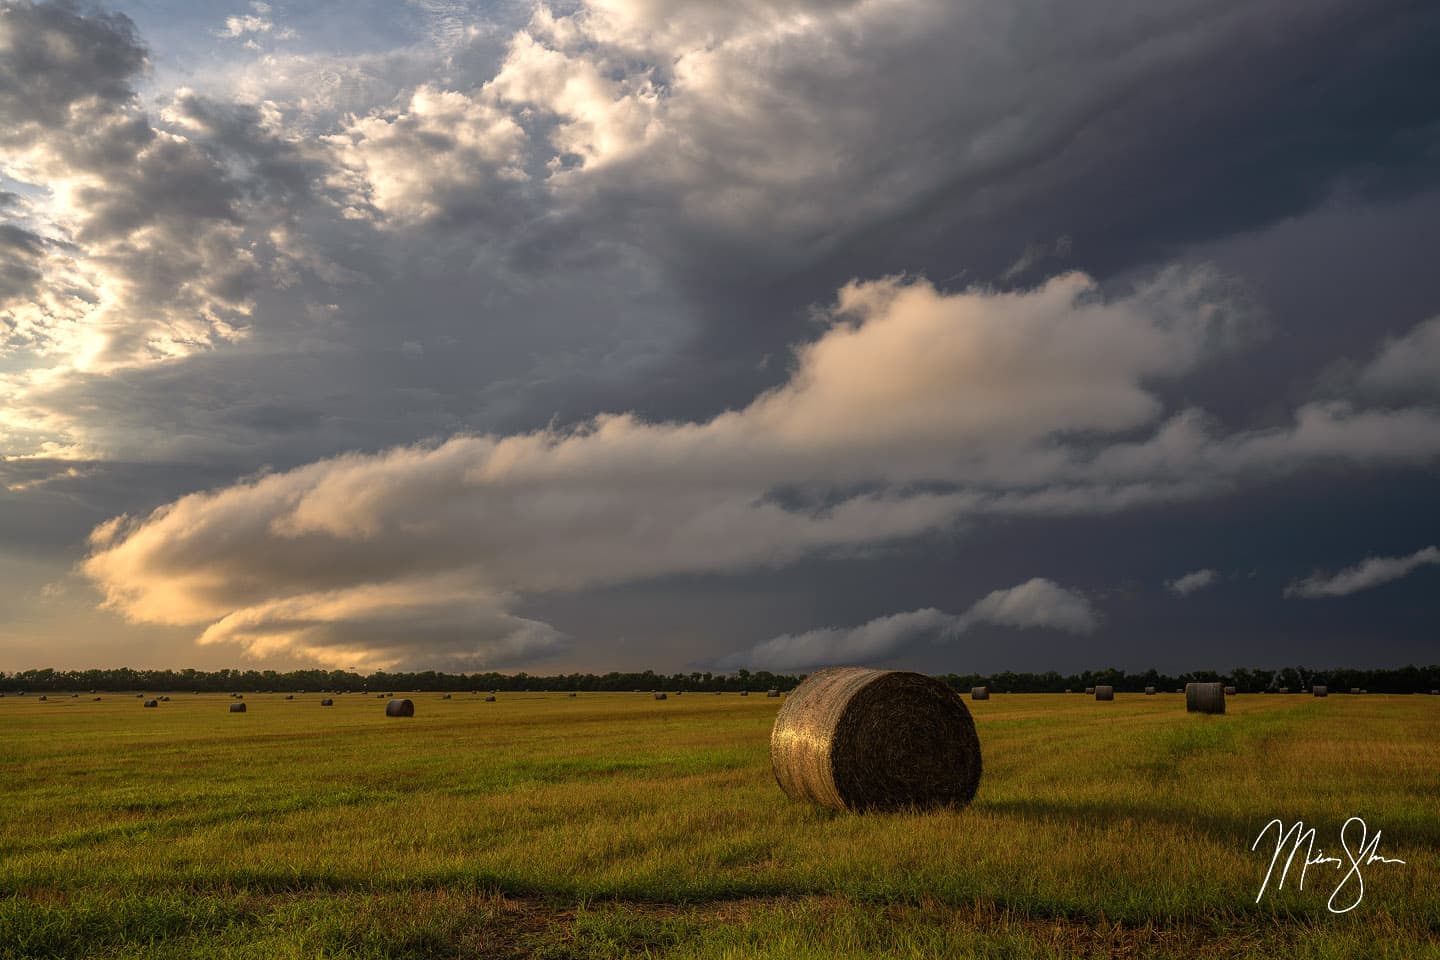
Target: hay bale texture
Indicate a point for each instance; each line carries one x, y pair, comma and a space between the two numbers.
1204, 698
979, 693
1149, 691
237, 708
660, 696
152, 703
1320, 690
400, 708
860, 739
327, 702
489, 698
1089, 690
772, 692
1104, 691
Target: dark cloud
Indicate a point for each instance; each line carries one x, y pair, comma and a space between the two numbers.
57, 57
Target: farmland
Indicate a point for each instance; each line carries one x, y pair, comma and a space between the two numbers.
617, 825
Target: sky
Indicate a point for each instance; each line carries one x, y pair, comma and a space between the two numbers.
625, 334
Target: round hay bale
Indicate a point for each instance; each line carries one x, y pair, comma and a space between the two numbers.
1320, 690
678, 692
979, 693
152, 703
1104, 691
570, 694
74, 696
772, 692
237, 708
1435, 693
744, 693
164, 699
400, 708
1284, 689
859, 739
1149, 691
327, 702
1204, 698
1229, 691
98, 699
659, 696
1354, 689
1089, 690
289, 696
489, 698
43, 697
140, 696
445, 697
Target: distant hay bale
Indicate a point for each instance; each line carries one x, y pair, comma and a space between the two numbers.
744, 693
1149, 691
772, 692
74, 696
659, 696
289, 696
1229, 691
43, 697
979, 693
152, 703
400, 708
1354, 689
98, 699
1204, 698
164, 699
1068, 690
237, 708
327, 702
1435, 693
570, 694
859, 739
1320, 690
1089, 690
138, 696
1284, 689
489, 698
445, 697
1363, 690
1104, 691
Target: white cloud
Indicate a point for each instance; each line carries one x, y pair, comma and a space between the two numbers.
1370, 572
1192, 581
1036, 603
444, 153
1408, 364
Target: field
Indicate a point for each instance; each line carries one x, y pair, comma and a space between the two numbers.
615, 825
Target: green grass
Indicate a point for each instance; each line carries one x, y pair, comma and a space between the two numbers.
616, 825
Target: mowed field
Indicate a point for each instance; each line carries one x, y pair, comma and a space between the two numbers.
615, 825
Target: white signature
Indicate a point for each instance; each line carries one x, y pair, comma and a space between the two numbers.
1296, 835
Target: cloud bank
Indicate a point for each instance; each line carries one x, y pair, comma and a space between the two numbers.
914, 411
1368, 573
1036, 603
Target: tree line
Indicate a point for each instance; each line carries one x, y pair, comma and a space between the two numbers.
1409, 679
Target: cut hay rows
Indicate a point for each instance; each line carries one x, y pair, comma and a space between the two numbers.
859, 739
1204, 698
400, 708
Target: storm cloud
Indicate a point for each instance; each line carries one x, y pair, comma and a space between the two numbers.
441, 319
